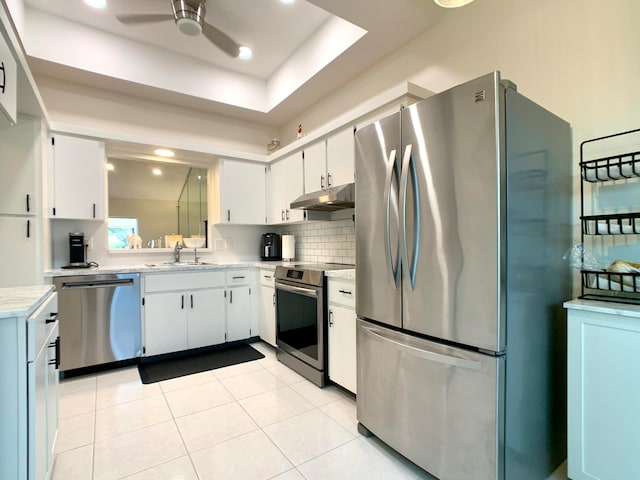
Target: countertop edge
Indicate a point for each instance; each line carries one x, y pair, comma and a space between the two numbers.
22, 301
611, 308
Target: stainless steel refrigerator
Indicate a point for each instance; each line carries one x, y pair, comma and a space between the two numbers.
463, 212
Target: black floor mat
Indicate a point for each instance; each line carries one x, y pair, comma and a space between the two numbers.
158, 370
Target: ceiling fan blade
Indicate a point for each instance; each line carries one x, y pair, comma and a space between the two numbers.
143, 18
221, 40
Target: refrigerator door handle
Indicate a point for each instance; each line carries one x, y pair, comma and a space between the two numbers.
394, 270
424, 353
408, 165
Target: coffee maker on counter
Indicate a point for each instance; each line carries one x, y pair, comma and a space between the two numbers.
270, 246
77, 251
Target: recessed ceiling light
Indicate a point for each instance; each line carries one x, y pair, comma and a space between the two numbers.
245, 53
452, 3
163, 152
110, 166
157, 171
96, 3
287, 1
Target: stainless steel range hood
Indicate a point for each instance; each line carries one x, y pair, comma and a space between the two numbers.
329, 200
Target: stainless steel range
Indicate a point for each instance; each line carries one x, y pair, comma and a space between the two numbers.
301, 318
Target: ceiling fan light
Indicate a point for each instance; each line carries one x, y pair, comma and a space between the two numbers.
245, 53
452, 3
189, 26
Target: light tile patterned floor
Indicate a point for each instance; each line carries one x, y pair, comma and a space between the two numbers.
256, 420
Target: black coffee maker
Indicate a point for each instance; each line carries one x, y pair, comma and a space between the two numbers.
77, 251
271, 247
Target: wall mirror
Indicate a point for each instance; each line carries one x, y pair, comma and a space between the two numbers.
160, 201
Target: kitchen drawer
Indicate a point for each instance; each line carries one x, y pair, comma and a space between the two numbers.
267, 277
40, 324
166, 282
238, 277
342, 292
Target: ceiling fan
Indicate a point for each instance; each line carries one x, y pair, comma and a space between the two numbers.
189, 17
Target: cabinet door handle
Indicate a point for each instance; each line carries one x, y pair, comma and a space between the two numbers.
94, 210
287, 215
53, 316
182, 302
322, 182
237, 278
346, 292
330, 318
28, 207
56, 361
274, 299
28, 228
230, 296
282, 215
191, 301
266, 276
329, 177
228, 215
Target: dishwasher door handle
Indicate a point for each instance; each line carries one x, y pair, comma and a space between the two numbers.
98, 283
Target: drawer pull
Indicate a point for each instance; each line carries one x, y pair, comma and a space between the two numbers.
238, 278
346, 292
53, 316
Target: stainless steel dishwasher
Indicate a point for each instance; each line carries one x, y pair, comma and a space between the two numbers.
99, 319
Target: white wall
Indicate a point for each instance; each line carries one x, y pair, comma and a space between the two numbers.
577, 58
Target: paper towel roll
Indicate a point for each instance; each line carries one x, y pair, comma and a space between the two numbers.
288, 247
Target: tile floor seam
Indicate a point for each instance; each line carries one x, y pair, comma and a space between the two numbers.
95, 426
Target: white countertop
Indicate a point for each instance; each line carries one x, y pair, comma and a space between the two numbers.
611, 308
22, 301
157, 267
347, 274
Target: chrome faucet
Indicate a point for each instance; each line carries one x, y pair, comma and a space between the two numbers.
176, 251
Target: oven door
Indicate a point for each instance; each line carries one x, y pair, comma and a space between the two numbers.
300, 329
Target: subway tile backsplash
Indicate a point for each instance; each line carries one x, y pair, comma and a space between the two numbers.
324, 242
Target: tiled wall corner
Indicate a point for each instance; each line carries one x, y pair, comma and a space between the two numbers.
324, 242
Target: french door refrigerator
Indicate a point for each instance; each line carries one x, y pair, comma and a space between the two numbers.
462, 216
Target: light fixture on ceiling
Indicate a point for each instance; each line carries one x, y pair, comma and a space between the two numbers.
157, 171
287, 1
189, 26
245, 53
273, 144
110, 167
163, 152
452, 3
96, 3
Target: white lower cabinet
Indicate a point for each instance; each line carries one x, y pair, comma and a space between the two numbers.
29, 389
267, 306
603, 355
209, 308
342, 333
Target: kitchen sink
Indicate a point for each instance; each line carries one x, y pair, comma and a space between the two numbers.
178, 264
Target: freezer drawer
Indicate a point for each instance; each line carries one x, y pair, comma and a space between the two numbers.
436, 405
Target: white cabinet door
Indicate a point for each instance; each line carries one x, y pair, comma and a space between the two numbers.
238, 314
165, 322
603, 396
18, 237
342, 347
278, 184
206, 325
243, 192
315, 167
53, 380
18, 150
294, 187
268, 314
340, 157
37, 372
78, 178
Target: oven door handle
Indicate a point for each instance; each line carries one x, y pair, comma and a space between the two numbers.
309, 292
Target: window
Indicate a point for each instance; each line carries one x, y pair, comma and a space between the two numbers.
119, 228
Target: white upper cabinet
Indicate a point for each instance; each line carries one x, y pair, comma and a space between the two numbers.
20, 152
340, 157
329, 163
77, 166
242, 193
286, 186
315, 167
